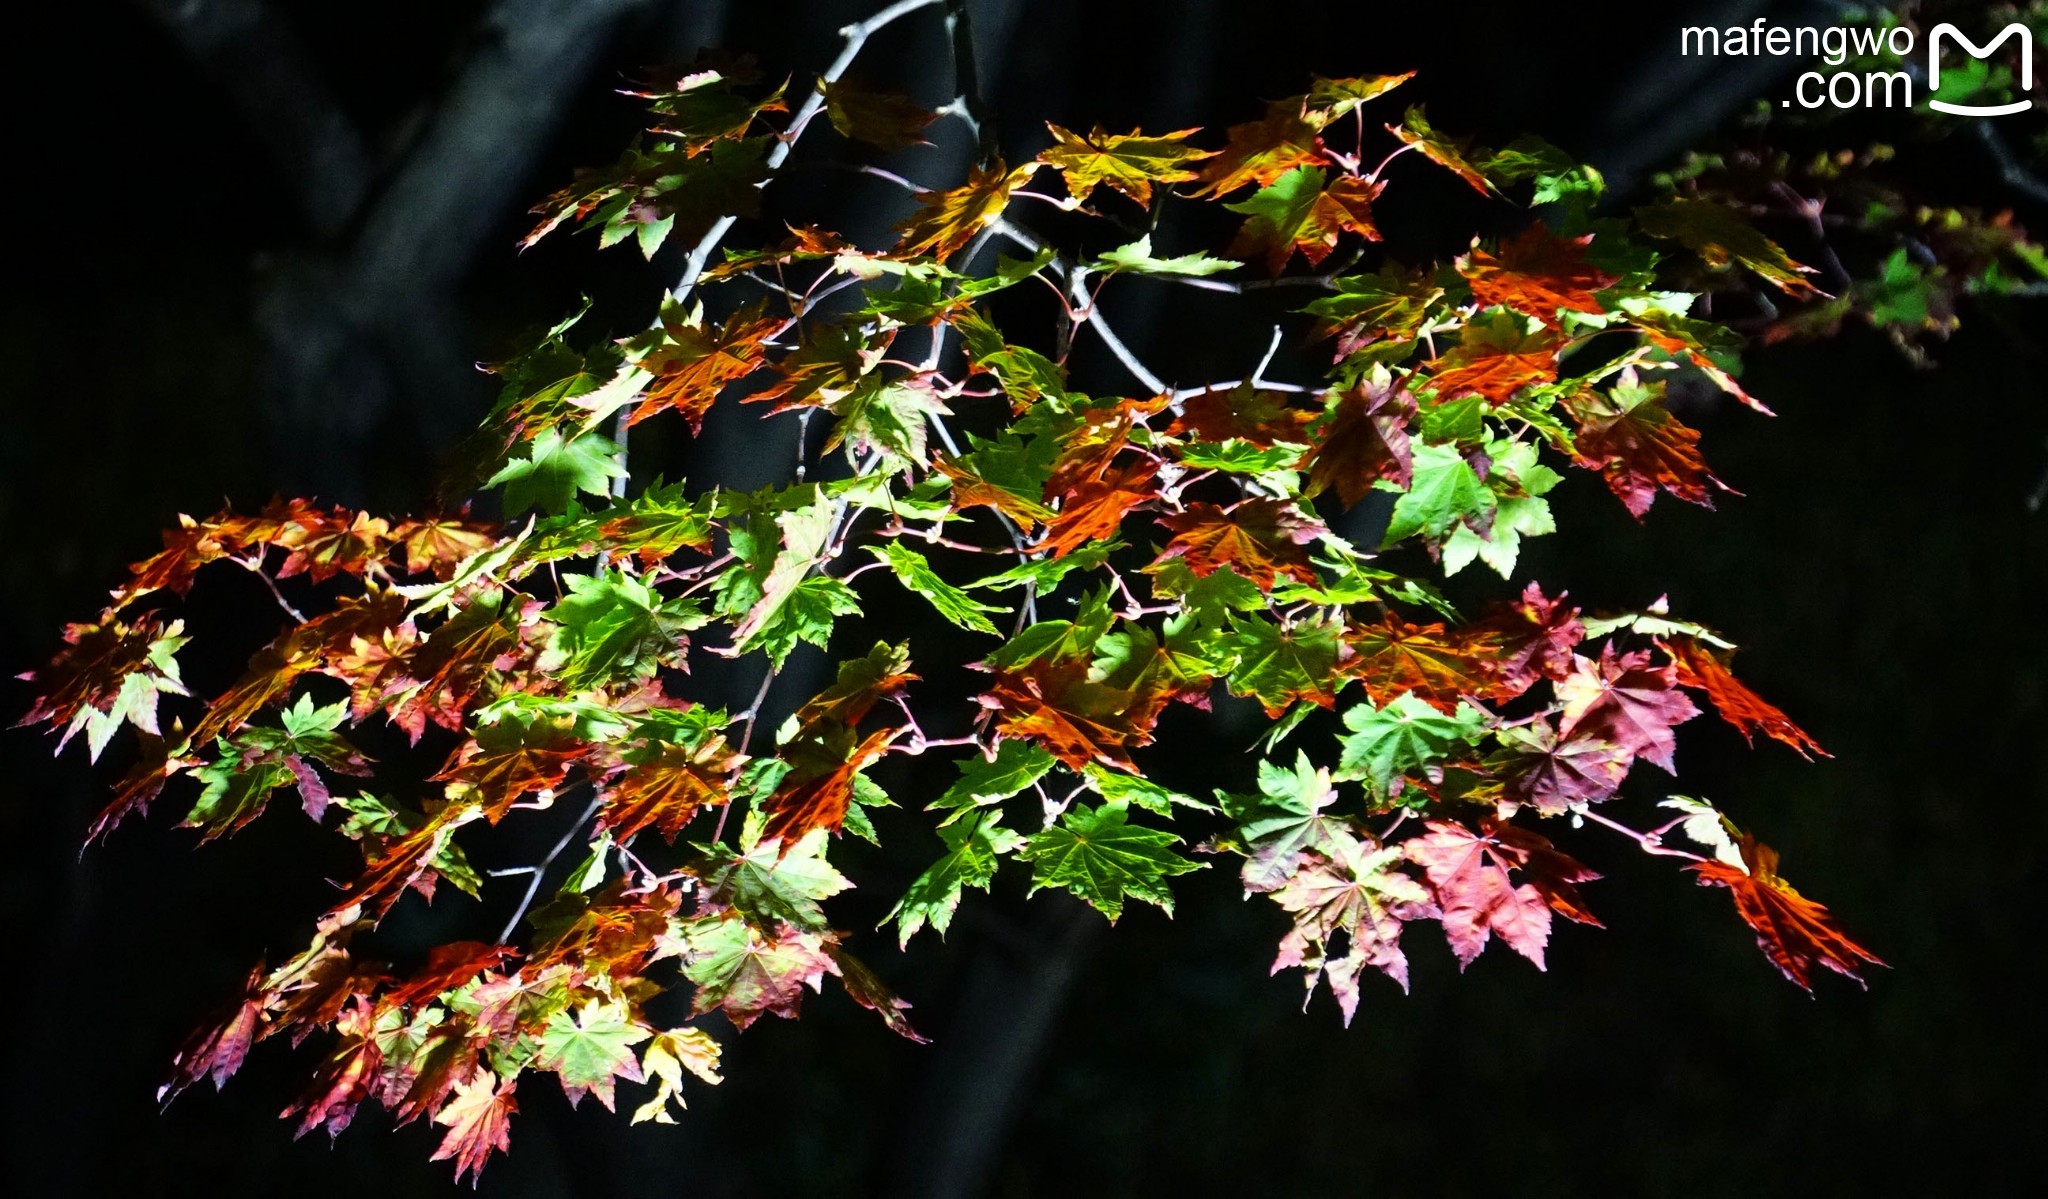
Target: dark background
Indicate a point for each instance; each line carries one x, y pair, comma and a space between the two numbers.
256, 248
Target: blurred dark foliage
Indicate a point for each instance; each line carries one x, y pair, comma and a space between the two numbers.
1882, 572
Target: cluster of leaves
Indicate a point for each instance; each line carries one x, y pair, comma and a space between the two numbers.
1896, 258
1147, 550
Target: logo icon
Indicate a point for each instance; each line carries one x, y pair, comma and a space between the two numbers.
2015, 29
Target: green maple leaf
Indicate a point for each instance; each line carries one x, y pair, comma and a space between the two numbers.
612, 626
1137, 258
984, 781
916, 573
887, 416
973, 848
236, 792
555, 471
1278, 666
1446, 492
1284, 820
768, 885
1045, 574
1518, 482
1406, 735
1096, 855
590, 1047
1120, 788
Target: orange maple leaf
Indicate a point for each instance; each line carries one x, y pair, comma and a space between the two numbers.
1793, 931
1537, 273
946, 221
1364, 441
1263, 540
1738, 705
1638, 446
693, 362
1496, 358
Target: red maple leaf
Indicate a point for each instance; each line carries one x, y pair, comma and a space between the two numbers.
478, 1120
1241, 413
1737, 704
666, 785
1094, 510
816, 798
1051, 701
1263, 540
1537, 273
1468, 875
1526, 641
1625, 700
1793, 931
1638, 446
1551, 773
1364, 441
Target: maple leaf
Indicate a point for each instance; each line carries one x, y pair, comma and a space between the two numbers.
478, 1120
867, 989
887, 119
1469, 881
1330, 99
692, 362
1537, 273
402, 862
815, 797
613, 627
1444, 494
1278, 665
663, 786
1298, 212
1285, 821
324, 544
973, 488
217, 1050
1498, 353
744, 971
829, 364
1403, 736
1093, 510
556, 470
1449, 153
773, 884
1263, 150
343, 1081
508, 760
1749, 712
667, 1055
1525, 641
440, 678
973, 847
1241, 413
1555, 874
947, 220
1390, 305
108, 674
1128, 162
1625, 700
1638, 446
447, 967
1794, 932
1351, 889
1720, 235
1263, 540
1701, 343
988, 780
1137, 257
1053, 702
438, 545
1554, 772
1363, 440
1102, 858
1394, 657
591, 1047
914, 571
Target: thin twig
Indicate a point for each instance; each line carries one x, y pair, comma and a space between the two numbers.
1650, 843
271, 583
540, 869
